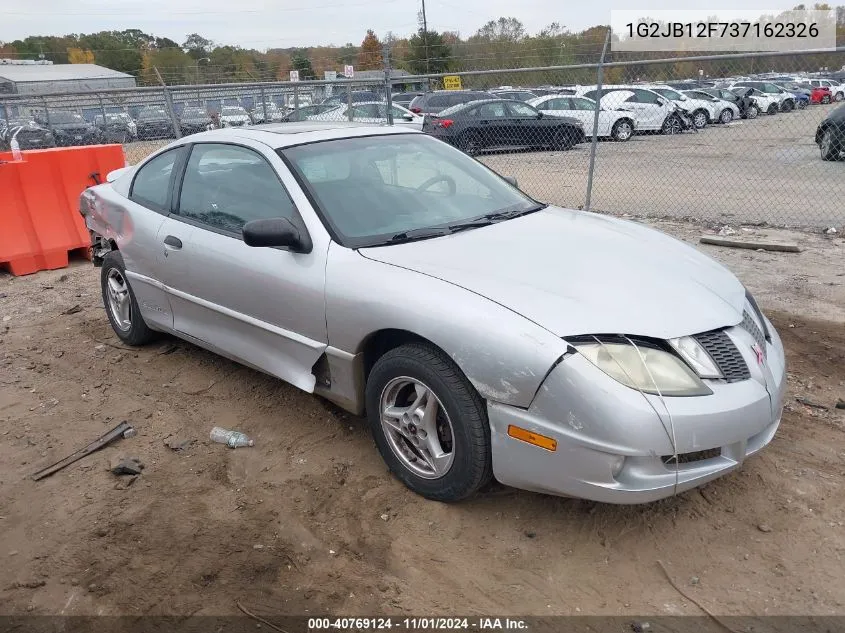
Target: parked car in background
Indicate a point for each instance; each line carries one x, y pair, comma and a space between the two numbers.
404, 98
304, 112
370, 112
802, 93
118, 127
780, 99
28, 133
701, 111
830, 134
498, 124
514, 94
727, 110
481, 332
194, 119
267, 112
764, 102
748, 109
434, 102
837, 89
819, 94
154, 122
358, 96
70, 128
234, 116
652, 112
619, 125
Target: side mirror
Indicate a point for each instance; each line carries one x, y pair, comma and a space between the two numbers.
539, 115
408, 117
278, 232
661, 101
511, 180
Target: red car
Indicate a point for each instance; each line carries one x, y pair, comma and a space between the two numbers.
820, 94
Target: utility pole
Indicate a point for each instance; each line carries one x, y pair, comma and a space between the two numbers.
425, 38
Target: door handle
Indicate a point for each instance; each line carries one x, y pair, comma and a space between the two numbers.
173, 242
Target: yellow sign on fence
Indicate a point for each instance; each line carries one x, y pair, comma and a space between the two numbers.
452, 82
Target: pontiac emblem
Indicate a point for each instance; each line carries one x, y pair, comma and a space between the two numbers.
758, 351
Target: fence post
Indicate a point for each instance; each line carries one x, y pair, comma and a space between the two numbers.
168, 99
388, 87
349, 101
295, 97
47, 114
102, 108
595, 140
4, 113
264, 105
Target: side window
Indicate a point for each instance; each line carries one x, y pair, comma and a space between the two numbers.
365, 111
226, 186
592, 94
492, 111
644, 96
583, 104
521, 109
151, 186
632, 99
398, 113
438, 101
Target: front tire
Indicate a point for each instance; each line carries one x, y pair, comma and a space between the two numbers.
726, 116
429, 423
120, 303
826, 99
564, 139
839, 96
470, 143
752, 112
699, 119
672, 125
773, 109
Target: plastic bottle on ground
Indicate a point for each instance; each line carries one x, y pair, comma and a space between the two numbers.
232, 439
16, 149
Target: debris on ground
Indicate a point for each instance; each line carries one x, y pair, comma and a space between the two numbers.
29, 584
840, 404
765, 528
177, 445
810, 403
694, 580
782, 247
830, 231
94, 446
73, 310
126, 466
727, 230
232, 439
129, 433
639, 627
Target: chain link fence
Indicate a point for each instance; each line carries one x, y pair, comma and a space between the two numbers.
690, 137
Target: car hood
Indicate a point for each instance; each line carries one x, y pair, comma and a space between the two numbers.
576, 273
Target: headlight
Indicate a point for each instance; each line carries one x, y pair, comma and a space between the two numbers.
696, 356
644, 368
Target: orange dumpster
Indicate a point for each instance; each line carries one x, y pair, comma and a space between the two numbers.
39, 204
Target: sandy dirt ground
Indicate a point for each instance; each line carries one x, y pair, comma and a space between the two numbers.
308, 521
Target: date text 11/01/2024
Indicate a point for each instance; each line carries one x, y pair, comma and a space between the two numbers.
416, 624
787, 30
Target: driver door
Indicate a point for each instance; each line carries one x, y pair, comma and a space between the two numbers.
264, 307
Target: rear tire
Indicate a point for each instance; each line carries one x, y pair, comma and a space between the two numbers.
120, 303
470, 143
622, 130
839, 96
699, 119
726, 116
672, 125
773, 109
458, 407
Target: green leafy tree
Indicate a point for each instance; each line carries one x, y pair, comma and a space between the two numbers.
428, 52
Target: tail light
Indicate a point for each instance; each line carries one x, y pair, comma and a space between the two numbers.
444, 123
416, 110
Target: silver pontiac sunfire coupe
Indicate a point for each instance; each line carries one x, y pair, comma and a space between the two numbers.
484, 334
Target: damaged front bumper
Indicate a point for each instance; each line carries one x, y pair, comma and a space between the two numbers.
610, 444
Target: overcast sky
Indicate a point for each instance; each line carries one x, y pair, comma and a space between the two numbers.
283, 23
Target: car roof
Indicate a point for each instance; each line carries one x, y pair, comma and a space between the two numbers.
278, 135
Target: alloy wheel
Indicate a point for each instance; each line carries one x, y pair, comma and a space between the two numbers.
417, 427
120, 306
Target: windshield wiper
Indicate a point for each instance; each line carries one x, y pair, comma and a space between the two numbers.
507, 215
414, 235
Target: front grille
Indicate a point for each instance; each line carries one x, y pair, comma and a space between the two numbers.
750, 325
695, 456
725, 354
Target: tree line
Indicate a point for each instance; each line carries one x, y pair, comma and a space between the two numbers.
499, 44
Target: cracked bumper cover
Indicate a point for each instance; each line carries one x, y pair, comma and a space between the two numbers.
597, 422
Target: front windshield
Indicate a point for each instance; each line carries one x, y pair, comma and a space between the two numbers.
370, 189
151, 113
233, 111
193, 112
